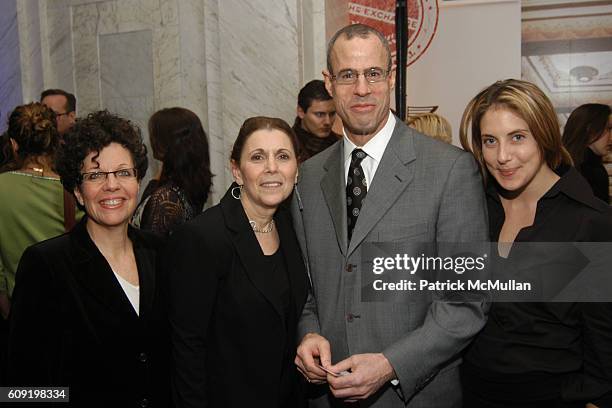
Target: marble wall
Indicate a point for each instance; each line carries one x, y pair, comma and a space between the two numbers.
126, 78
259, 60
225, 60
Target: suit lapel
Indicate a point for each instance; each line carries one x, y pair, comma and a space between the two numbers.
146, 262
94, 274
333, 186
249, 252
296, 269
393, 175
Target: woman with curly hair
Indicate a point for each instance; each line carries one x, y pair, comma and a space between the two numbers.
86, 311
179, 192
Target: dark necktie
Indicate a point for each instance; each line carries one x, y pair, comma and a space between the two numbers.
356, 189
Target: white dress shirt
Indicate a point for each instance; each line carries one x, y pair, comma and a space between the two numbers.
375, 148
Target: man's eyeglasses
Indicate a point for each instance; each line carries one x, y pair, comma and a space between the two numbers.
349, 76
97, 177
62, 114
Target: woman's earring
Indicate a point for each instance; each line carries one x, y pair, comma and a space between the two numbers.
235, 194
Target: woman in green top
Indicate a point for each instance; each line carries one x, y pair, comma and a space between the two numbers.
31, 195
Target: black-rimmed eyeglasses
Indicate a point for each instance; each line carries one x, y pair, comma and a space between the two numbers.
349, 76
102, 176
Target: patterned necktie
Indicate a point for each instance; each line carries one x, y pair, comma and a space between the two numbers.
356, 189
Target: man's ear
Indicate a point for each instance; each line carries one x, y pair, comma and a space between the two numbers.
300, 112
391, 79
328, 82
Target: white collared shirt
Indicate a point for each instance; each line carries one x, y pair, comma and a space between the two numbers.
375, 148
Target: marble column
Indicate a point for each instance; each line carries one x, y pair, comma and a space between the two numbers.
28, 21
313, 39
10, 69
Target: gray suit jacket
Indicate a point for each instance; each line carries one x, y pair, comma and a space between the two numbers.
423, 191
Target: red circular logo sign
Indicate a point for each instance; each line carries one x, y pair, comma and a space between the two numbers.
380, 14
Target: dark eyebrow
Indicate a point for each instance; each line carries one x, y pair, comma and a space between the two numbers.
518, 130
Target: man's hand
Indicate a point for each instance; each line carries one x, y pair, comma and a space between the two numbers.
312, 351
589, 405
5, 305
368, 372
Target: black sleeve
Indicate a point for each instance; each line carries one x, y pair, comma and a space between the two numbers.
193, 263
32, 331
597, 351
598, 180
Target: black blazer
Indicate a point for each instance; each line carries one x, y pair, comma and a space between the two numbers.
72, 325
230, 343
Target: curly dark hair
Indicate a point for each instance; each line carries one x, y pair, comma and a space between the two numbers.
93, 134
33, 127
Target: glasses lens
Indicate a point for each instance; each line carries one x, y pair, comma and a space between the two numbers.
126, 173
374, 75
348, 76
94, 177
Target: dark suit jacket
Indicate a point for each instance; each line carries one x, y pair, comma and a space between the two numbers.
230, 343
72, 325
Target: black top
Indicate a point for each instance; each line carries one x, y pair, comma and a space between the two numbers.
531, 351
278, 272
280, 278
233, 343
163, 207
593, 170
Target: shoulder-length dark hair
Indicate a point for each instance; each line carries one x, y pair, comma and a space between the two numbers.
179, 141
585, 125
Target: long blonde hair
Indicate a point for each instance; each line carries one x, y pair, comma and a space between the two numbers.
528, 102
432, 125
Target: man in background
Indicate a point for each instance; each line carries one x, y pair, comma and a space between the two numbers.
63, 104
315, 116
